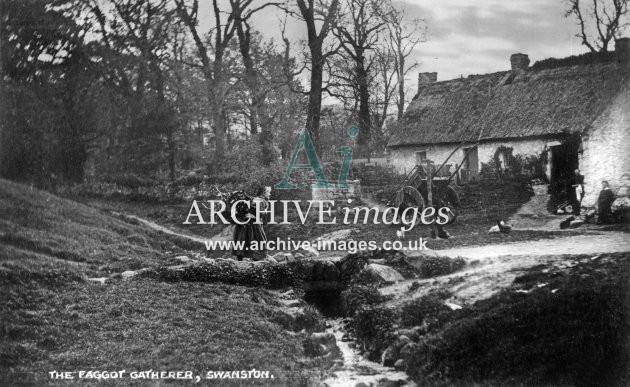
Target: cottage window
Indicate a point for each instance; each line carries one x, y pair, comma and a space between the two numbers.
503, 161
421, 157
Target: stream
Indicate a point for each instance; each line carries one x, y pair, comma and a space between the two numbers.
358, 371
355, 371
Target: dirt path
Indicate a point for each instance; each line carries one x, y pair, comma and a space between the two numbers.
226, 234
608, 242
533, 215
160, 228
492, 268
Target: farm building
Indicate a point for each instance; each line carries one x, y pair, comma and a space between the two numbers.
543, 121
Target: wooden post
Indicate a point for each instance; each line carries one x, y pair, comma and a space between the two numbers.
457, 178
430, 197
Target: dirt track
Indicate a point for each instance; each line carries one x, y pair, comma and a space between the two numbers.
492, 268
608, 242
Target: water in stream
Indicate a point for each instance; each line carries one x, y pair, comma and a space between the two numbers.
358, 371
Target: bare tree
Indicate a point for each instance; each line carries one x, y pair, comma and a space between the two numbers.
214, 69
314, 14
136, 37
384, 83
242, 14
358, 33
403, 37
600, 22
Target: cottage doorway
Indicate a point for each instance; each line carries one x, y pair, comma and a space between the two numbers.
564, 161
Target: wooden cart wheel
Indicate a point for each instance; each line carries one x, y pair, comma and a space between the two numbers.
450, 199
409, 197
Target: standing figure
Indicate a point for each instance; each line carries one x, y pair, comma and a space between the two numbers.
621, 206
578, 192
604, 203
251, 231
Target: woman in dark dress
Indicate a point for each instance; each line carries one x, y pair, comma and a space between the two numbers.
604, 203
250, 232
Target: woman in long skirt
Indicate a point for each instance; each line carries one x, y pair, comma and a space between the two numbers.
250, 232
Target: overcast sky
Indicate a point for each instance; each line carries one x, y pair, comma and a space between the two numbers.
471, 36
476, 36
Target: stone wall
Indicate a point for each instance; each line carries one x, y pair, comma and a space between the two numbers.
606, 154
339, 195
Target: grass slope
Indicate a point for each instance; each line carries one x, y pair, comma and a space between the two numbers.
145, 325
40, 231
552, 327
53, 319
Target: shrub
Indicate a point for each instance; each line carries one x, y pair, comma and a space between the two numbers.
243, 164
226, 178
187, 181
374, 329
436, 266
365, 278
268, 275
128, 180
425, 309
310, 319
352, 264
358, 296
398, 261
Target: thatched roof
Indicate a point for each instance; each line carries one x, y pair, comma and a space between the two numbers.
511, 104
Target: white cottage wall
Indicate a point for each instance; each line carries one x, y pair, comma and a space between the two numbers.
404, 158
606, 154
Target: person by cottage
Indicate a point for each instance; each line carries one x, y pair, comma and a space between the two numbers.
604, 204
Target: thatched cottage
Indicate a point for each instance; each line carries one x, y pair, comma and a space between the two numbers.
549, 118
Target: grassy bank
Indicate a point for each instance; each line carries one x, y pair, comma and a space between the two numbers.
555, 325
145, 325
39, 231
54, 318
551, 327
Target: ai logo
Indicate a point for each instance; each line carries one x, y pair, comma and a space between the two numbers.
304, 141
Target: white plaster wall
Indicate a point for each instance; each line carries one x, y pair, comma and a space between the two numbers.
404, 159
606, 153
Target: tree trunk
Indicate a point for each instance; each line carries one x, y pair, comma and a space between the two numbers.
220, 126
217, 89
74, 150
167, 123
315, 96
171, 153
401, 87
363, 139
256, 115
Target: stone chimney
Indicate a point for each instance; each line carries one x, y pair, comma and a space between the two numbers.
622, 49
425, 79
519, 61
